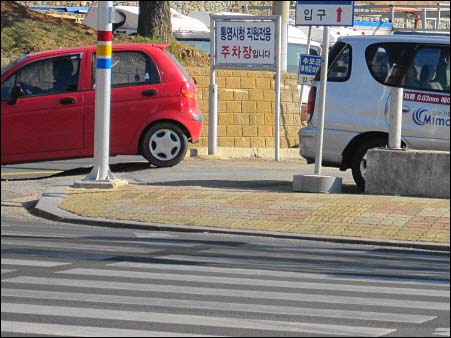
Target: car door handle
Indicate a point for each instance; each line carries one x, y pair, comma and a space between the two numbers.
406, 110
67, 100
150, 92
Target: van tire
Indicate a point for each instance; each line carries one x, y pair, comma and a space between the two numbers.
164, 144
359, 161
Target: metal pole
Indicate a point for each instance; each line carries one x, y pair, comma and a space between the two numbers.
322, 102
424, 18
101, 170
213, 94
394, 137
437, 23
277, 98
301, 94
392, 17
282, 8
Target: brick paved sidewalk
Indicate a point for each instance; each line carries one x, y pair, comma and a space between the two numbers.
362, 216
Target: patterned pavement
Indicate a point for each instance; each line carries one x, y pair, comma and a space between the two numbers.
359, 216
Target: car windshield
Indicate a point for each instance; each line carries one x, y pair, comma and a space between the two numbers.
23, 57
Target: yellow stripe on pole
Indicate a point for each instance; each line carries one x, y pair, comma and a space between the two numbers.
104, 51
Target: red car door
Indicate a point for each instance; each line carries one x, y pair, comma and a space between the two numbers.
43, 123
136, 98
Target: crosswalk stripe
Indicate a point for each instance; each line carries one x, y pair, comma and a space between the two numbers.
95, 247
179, 319
27, 262
7, 270
255, 282
281, 274
320, 254
84, 331
302, 297
362, 253
290, 263
219, 306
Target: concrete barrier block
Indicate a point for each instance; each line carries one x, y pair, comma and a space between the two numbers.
408, 173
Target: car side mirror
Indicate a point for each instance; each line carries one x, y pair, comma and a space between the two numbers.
16, 92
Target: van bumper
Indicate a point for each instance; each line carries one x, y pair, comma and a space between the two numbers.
307, 143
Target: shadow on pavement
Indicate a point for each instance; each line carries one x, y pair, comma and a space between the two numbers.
258, 185
118, 167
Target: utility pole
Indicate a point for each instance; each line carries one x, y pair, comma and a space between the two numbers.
100, 175
282, 8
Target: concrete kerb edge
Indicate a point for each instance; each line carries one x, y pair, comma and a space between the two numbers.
47, 207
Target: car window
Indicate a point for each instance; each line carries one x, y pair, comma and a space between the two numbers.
130, 68
340, 63
409, 65
387, 61
50, 76
429, 70
7, 86
293, 53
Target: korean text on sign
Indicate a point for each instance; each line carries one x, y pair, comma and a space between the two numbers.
308, 67
324, 13
245, 43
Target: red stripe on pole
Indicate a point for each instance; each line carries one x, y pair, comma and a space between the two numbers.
104, 35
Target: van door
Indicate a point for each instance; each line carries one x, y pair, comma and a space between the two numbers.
426, 115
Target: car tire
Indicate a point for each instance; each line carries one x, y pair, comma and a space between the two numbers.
359, 160
164, 144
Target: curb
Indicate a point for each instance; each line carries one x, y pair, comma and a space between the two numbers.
47, 207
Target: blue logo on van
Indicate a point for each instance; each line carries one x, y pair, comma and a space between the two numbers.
422, 117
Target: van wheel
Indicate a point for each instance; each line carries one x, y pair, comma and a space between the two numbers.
164, 144
359, 160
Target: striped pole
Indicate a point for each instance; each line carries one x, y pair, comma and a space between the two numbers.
101, 170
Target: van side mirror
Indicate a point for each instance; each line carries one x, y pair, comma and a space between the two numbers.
16, 92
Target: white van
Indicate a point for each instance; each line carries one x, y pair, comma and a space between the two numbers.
361, 72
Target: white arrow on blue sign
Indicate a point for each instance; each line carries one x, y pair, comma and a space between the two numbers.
324, 13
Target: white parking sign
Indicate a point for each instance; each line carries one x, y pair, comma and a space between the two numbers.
308, 67
324, 13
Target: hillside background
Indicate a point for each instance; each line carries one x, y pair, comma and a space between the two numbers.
24, 31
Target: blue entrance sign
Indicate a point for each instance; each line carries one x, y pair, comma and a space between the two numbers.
308, 67
324, 13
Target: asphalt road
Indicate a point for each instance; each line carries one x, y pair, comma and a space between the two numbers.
60, 279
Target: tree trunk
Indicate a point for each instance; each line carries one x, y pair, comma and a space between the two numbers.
154, 20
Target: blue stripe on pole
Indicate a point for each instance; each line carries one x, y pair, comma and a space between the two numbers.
343, 3
103, 63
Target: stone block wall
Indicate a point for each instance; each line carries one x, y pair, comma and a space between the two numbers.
246, 108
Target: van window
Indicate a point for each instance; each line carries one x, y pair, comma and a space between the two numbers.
293, 53
429, 69
387, 61
130, 68
340, 63
340, 69
409, 65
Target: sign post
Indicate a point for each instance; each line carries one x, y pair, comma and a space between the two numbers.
248, 43
101, 175
322, 13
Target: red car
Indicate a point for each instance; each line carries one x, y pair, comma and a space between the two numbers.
48, 105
